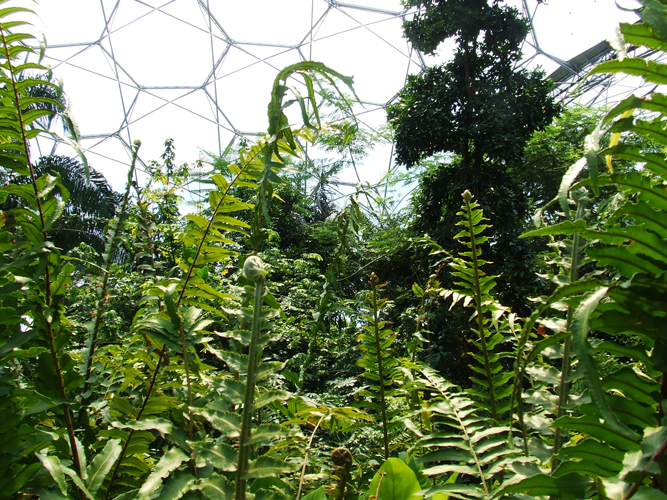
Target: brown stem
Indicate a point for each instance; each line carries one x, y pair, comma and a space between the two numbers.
635, 486
47, 273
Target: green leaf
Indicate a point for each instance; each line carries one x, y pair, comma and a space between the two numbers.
633, 386
226, 422
419, 291
221, 456
101, 465
215, 488
395, 481
654, 13
541, 485
565, 184
158, 424
594, 452
52, 464
580, 327
592, 426
265, 433
317, 494
169, 462
649, 70
267, 467
174, 488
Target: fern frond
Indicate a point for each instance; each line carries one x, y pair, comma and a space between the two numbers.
475, 290
378, 360
464, 443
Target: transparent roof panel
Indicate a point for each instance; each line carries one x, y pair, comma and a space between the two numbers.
200, 71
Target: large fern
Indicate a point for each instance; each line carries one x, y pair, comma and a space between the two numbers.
34, 279
378, 360
467, 456
173, 323
490, 331
624, 443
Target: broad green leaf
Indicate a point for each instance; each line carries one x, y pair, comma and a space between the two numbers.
158, 424
580, 327
221, 456
101, 465
649, 70
267, 467
52, 464
265, 433
216, 488
169, 462
317, 494
174, 488
633, 386
569, 177
592, 426
395, 481
571, 486
226, 422
594, 452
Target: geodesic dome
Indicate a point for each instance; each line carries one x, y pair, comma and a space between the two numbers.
200, 71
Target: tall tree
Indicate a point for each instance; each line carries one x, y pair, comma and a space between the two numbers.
480, 110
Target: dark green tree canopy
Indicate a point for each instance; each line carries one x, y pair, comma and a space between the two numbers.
477, 105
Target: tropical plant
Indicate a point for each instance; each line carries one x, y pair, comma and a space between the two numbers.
615, 437
378, 361
34, 334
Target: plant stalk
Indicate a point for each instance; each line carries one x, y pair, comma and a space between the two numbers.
110, 251
305, 457
246, 419
564, 382
47, 272
378, 348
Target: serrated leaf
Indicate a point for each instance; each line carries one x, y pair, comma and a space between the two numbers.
53, 465
175, 487
221, 456
169, 462
267, 467
216, 488
158, 424
101, 465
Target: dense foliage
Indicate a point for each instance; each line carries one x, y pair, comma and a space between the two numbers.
274, 345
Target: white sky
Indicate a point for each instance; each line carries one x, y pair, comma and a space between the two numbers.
164, 53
